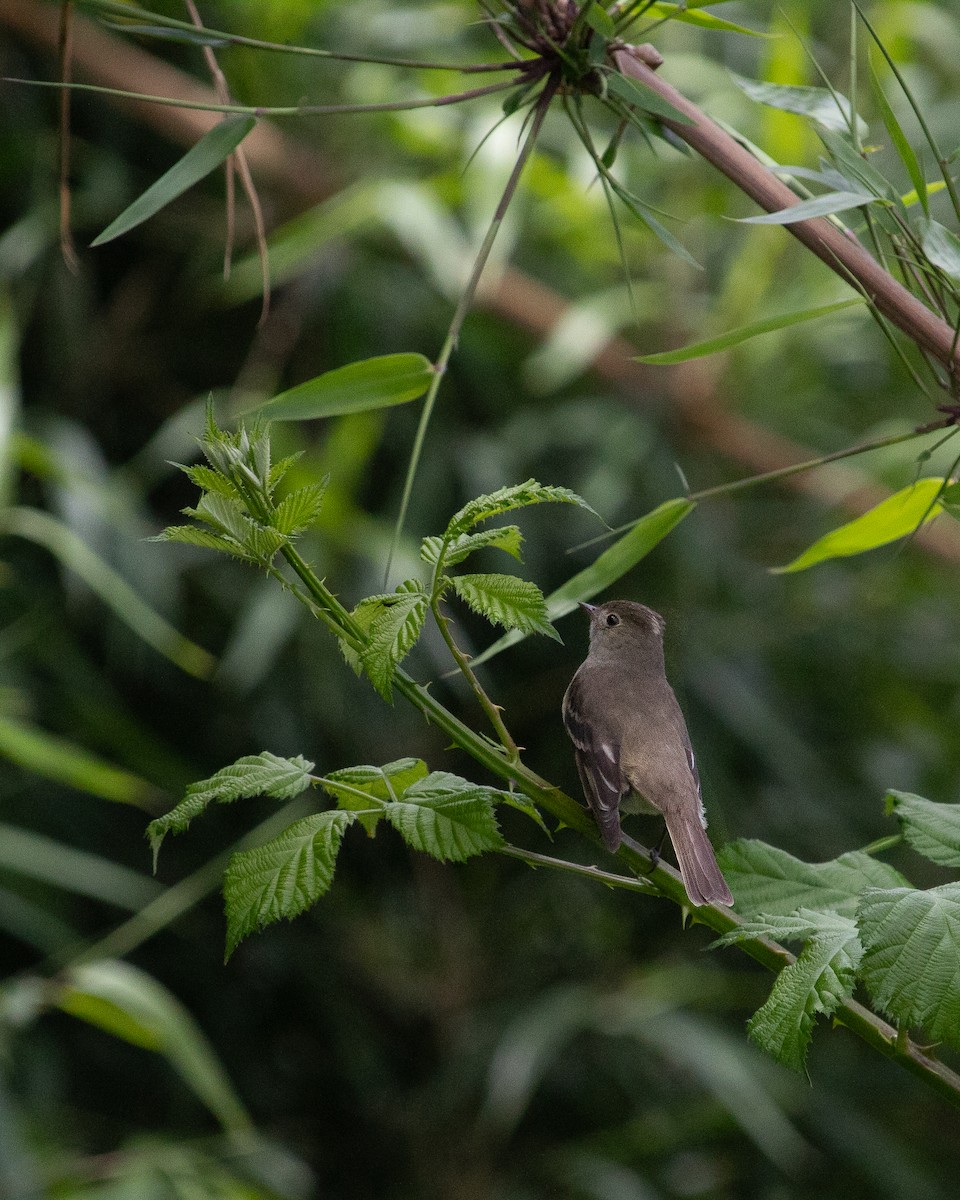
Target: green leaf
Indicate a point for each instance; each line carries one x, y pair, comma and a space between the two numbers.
911, 961
932, 829
822, 977
395, 622
505, 499
819, 206
447, 817
282, 878
300, 509
209, 480
692, 16
223, 513
899, 139
735, 336
600, 20
506, 537
606, 568
506, 600
942, 248
263, 774
191, 535
357, 387
130, 1004
828, 109
198, 161
899, 515
767, 880
639, 96
354, 788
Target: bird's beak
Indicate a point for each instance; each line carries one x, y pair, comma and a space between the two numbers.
589, 609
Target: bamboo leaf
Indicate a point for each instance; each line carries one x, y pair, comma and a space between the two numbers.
380, 382
635, 94
693, 16
942, 247
899, 515
819, 206
828, 109
198, 161
899, 139
736, 336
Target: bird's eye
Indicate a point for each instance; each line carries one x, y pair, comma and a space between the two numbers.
613, 619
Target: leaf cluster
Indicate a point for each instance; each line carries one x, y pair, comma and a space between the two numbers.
860, 922
435, 812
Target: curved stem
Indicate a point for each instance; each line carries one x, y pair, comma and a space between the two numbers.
838, 248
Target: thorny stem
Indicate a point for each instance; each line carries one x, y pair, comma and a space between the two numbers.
460, 314
463, 662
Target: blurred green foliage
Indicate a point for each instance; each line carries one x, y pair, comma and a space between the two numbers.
426, 1030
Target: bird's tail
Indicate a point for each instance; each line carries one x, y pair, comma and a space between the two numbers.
698, 864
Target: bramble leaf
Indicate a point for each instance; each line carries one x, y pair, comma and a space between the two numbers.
506, 537
506, 600
822, 977
447, 817
300, 509
282, 878
519, 495
767, 880
354, 788
263, 774
395, 621
933, 830
911, 960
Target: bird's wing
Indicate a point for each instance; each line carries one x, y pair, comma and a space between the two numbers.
597, 752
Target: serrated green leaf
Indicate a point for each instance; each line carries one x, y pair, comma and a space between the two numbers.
282, 878
354, 788
192, 535
736, 336
507, 538
932, 829
279, 469
767, 880
394, 627
942, 248
506, 600
635, 94
300, 509
263, 774
828, 109
211, 150
357, 387
911, 960
505, 499
208, 479
606, 568
447, 817
898, 516
263, 543
822, 977
224, 514
819, 206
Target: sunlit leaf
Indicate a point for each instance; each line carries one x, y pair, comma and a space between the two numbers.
373, 383
198, 161
899, 515
693, 16
361, 788
393, 623
736, 336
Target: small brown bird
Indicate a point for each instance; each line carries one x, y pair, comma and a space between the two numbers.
632, 746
